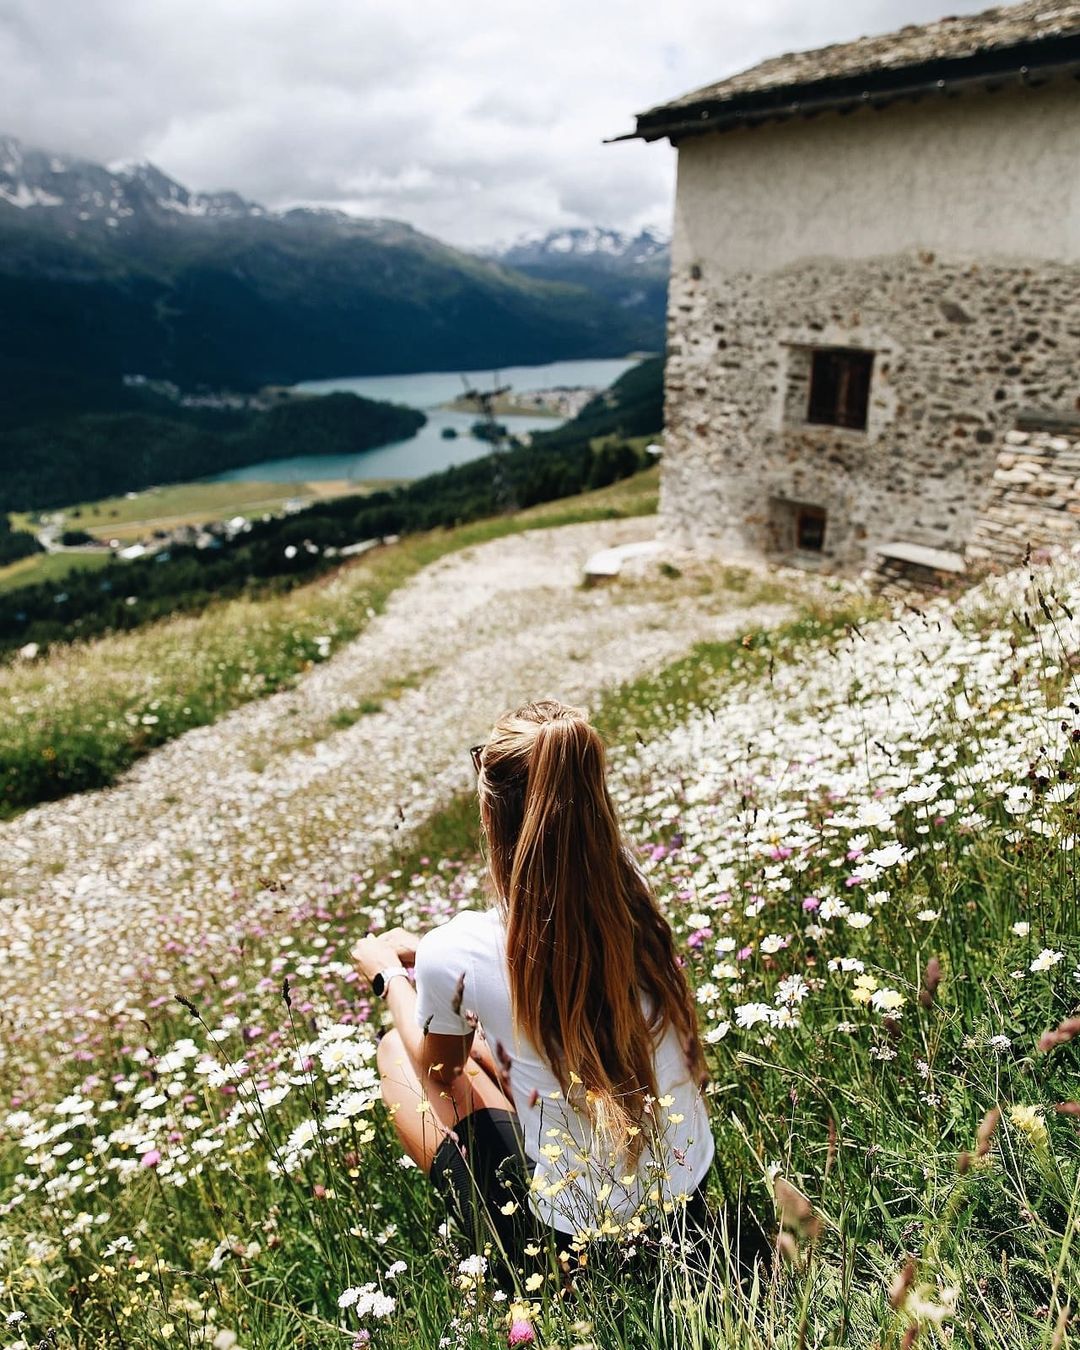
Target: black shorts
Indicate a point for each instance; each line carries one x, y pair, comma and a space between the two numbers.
488, 1170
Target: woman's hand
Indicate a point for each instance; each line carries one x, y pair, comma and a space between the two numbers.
403, 942
380, 951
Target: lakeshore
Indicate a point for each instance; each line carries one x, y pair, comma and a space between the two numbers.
432, 448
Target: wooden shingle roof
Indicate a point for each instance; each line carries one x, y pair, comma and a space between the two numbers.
1030, 41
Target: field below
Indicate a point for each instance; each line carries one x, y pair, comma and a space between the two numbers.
861, 826
137, 514
45, 567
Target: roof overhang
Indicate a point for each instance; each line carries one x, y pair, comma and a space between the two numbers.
1030, 63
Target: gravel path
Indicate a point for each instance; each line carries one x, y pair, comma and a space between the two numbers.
92, 885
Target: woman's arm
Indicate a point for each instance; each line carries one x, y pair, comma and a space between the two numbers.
436, 1056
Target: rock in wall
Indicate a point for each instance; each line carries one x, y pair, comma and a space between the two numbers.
1034, 497
959, 349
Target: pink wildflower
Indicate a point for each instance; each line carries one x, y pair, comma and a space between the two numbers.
521, 1332
151, 1158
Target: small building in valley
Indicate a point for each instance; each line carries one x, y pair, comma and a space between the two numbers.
875, 297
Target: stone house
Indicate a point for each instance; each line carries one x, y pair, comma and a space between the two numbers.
874, 310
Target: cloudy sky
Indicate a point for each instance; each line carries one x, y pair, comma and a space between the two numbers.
476, 120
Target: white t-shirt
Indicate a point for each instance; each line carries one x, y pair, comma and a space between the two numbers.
473, 944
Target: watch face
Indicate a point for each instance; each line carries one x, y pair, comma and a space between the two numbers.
379, 984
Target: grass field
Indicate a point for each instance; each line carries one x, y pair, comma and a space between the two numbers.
40, 567
136, 515
862, 833
82, 714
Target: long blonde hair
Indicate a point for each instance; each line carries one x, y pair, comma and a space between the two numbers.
585, 937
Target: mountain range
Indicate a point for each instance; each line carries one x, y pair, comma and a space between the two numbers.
629, 271
591, 248
116, 270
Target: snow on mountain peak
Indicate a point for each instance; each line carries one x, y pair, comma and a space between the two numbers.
587, 242
11, 156
122, 191
126, 168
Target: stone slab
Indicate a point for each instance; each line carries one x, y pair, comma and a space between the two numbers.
609, 561
941, 560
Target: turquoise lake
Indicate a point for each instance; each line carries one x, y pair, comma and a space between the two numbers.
427, 451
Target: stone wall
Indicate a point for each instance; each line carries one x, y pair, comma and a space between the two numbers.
1034, 498
960, 348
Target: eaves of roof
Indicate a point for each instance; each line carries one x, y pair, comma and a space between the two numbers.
1028, 63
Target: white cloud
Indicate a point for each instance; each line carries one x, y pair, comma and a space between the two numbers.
473, 121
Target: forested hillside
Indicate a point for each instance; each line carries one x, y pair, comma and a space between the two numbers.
105, 273
81, 456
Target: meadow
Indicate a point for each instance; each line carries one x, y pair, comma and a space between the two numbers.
54, 567
862, 830
135, 515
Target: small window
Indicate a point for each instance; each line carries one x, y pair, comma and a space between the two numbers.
795, 527
840, 387
810, 528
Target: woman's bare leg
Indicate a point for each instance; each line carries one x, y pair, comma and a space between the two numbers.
421, 1118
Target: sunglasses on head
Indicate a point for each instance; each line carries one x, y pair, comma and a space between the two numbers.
476, 751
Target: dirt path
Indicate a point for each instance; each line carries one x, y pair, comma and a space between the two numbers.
285, 788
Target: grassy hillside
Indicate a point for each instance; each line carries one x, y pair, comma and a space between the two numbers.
862, 835
81, 715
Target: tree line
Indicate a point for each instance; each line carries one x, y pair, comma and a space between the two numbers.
82, 456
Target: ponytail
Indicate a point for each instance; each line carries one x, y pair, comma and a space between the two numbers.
585, 937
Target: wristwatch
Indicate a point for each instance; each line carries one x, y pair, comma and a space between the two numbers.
383, 978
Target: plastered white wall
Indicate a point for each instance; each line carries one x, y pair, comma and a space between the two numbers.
973, 176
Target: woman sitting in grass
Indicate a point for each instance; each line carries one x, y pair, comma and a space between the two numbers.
546, 1071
